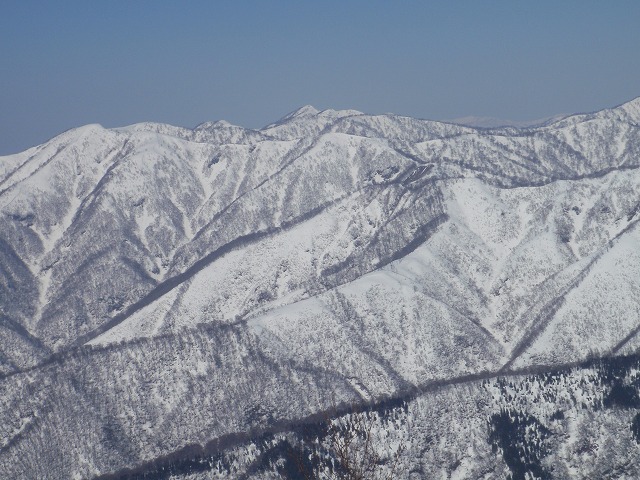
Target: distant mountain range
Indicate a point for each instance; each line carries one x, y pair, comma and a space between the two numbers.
180, 303
491, 122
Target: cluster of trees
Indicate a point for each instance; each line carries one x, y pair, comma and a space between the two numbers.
521, 439
346, 449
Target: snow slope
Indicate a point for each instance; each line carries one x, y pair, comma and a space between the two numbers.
357, 255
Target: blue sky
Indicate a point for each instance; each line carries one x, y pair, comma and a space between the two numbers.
69, 63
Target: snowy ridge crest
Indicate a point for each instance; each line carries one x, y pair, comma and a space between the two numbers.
348, 256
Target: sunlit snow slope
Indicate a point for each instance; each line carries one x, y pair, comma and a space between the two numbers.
383, 251
484, 236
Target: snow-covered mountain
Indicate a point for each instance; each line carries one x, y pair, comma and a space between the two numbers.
162, 287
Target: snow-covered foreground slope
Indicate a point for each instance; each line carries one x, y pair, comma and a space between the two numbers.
150, 271
568, 423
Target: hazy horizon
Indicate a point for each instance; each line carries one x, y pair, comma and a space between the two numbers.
250, 62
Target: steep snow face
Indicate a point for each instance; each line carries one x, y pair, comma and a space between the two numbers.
347, 255
224, 224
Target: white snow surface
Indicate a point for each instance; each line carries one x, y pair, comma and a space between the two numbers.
168, 287
531, 232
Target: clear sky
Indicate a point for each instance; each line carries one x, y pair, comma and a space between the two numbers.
68, 63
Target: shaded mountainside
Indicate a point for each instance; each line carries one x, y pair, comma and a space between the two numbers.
519, 426
163, 287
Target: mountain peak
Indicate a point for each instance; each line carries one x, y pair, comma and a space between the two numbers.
322, 262
302, 112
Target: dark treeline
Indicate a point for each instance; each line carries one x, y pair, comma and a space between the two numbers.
519, 436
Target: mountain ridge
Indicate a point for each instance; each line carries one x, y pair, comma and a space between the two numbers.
305, 113
355, 255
